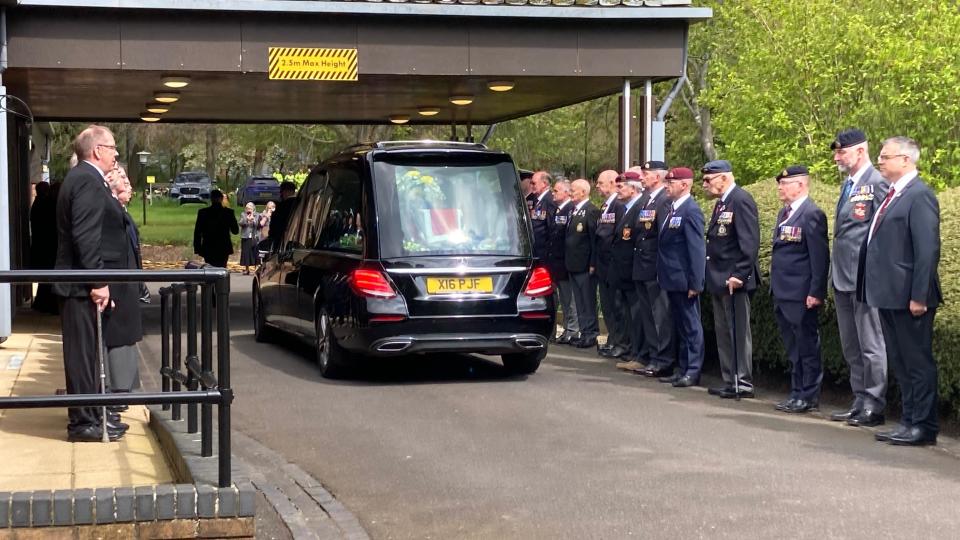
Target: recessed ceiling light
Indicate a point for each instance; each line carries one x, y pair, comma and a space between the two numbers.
175, 82
158, 108
399, 119
166, 97
500, 86
461, 100
429, 111
149, 117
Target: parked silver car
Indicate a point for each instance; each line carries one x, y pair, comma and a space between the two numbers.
191, 187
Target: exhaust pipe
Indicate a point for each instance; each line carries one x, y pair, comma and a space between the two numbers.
394, 346
529, 343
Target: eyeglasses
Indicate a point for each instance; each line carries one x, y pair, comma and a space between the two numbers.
708, 179
110, 146
885, 157
787, 181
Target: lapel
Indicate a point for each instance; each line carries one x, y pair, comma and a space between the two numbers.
720, 206
679, 212
896, 198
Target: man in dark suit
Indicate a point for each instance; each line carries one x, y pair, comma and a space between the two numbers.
211, 233
861, 336
556, 251
580, 258
92, 236
798, 281
898, 276
733, 246
652, 309
542, 212
620, 273
611, 212
681, 258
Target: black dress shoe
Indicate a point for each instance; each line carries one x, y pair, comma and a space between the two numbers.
884, 436
615, 352
867, 419
801, 406
91, 434
685, 382
564, 340
914, 436
785, 404
744, 393
118, 408
843, 416
117, 426
586, 343
670, 379
655, 372
719, 390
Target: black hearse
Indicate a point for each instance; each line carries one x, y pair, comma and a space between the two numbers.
403, 247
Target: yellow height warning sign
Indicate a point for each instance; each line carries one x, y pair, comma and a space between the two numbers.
312, 64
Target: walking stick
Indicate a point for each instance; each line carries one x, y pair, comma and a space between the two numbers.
105, 437
736, 364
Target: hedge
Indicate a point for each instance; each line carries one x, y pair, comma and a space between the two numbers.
768, 352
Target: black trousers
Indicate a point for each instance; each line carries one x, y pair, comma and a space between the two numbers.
220, 261
631, 331
80, 361
610, 306
584, 286
801, 339
909, 344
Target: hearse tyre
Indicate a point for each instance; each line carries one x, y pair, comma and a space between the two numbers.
331, 358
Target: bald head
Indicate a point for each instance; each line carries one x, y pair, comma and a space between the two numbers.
580, 190
97, 145
607, 182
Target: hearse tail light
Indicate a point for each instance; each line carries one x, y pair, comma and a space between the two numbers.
371, 283
540, 283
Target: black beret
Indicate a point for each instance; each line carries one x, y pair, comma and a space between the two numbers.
847, 138
718, 166
525, 174
793, 170
654, 166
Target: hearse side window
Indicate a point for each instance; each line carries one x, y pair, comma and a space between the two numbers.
342, 224
316, 204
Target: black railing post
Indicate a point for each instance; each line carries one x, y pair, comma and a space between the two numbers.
177, 340
164, 341
223, 377
206, 366
191, 289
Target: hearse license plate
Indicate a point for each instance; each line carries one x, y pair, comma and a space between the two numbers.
454, 285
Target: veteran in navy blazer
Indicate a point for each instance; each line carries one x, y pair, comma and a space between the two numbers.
652, 310
733, 246
800, 262
556, 251
620, 274
580, 258
898, 276
541, 215
681, 258
611, 212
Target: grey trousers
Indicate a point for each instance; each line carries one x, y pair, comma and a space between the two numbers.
652, 312
571, 326
123, 368
861, 337
723, 305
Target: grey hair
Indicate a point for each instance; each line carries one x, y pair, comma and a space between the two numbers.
908, 147
635, 185
563, 184
88, 139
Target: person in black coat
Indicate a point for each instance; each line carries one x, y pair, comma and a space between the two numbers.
611, 212
92, 236
580, 259
620, 274
556, 251
733, 246
898, 276
43, 244
652, 309
799, 265
281, 216
211, 233
681, 257
542, 212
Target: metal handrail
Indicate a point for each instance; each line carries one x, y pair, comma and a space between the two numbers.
214, 388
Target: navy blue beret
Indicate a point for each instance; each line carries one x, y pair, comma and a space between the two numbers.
718, 166
847, 138
654, 166
793, 170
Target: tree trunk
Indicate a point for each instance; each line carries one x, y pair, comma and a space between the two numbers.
213, 151
259, 156
706, 134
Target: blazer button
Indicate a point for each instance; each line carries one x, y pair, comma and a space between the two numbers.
708, 257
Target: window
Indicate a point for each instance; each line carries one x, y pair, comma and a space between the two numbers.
339, 207
448, 205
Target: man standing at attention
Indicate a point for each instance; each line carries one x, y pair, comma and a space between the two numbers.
860, 334
611, 212
580, 259
898, 276
733, 246
555, 260
681, 258
798, 282
542, 212
211, 233
91, 230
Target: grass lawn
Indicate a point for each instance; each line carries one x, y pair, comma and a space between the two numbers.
168, 222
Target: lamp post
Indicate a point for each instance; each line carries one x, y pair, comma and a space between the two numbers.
142, 156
